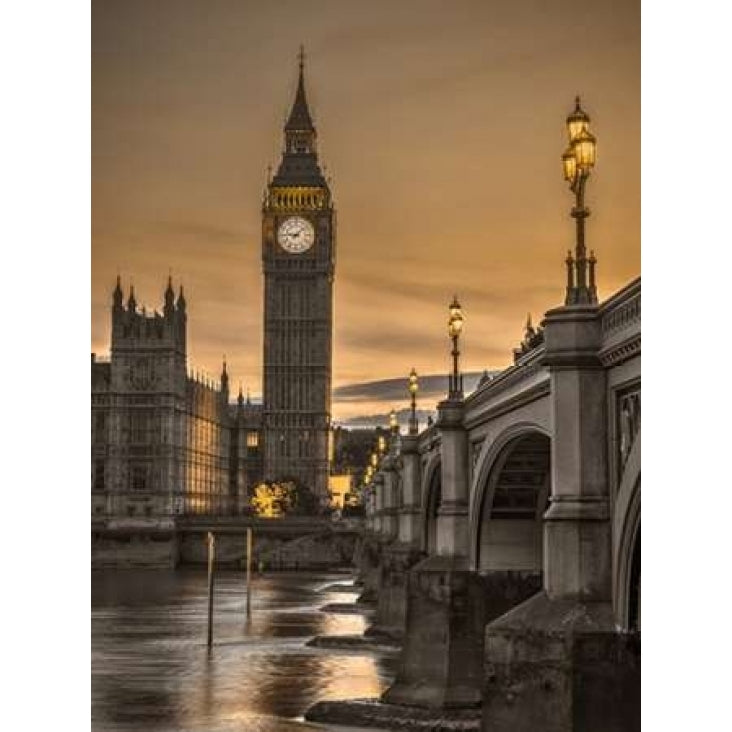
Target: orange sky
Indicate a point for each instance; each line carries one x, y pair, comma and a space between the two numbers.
442, 125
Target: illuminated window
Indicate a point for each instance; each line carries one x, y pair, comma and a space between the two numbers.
252, 439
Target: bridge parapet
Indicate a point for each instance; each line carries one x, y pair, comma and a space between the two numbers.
620, 324
519, 384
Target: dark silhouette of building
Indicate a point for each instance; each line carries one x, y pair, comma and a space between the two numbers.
298, 258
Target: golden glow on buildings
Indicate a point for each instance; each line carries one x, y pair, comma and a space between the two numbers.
272, 500
339, 486
297, 197
206, 468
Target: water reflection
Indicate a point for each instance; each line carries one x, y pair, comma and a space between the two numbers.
151, 669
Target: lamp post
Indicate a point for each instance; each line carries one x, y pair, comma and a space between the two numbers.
394, 430
413, 388
577, 163
454, 327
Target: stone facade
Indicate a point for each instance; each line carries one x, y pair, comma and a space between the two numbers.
165, 442
298, 259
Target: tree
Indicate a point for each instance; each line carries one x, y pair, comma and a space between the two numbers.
274, 499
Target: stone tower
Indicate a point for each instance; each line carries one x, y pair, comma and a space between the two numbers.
298, 258
147, 387
160, 437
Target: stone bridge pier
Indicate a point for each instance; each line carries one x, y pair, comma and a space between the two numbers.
369, 551
401, 491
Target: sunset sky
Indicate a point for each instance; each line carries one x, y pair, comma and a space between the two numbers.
442, 126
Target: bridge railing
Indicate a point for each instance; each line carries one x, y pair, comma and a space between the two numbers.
622, 311
527, 366
620, 321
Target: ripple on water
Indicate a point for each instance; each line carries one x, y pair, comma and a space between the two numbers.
151, 671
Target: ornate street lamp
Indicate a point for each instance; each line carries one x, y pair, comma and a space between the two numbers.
454, 327
577, 163
413, 388
381, 445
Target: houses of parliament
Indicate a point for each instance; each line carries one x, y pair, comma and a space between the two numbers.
166, 442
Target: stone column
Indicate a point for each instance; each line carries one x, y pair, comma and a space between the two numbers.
377, 484
411, 474
369, 507
389, 528
556, 661
401, 473
577, 553
369, 547
452, 521
441, 662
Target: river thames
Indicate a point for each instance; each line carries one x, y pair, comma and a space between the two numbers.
152, 672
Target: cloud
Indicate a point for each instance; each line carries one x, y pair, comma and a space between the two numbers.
396, 389
199, 230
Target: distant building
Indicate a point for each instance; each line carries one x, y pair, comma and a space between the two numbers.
341, 487
164, 441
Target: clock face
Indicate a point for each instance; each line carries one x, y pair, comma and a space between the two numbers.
296, 235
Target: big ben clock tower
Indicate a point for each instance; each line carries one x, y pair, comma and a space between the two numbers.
298, 258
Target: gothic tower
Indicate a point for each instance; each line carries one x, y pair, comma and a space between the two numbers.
298, 258
147, 388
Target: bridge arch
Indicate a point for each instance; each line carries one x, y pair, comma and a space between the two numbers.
509, 497
627, 544
431, 499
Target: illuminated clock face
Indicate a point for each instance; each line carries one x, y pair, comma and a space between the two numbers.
296, 235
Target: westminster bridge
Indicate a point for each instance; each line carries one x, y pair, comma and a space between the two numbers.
503, 541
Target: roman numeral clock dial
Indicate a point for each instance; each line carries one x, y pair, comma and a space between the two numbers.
296, 235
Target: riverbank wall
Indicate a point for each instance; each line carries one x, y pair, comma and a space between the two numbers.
306, 543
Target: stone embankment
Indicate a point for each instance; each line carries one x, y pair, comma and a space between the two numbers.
298, 543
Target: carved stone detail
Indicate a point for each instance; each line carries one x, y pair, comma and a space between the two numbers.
628, 426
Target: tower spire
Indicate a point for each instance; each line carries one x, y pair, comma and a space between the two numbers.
224, 378
299, 165
300, 119
169, 305
117, 295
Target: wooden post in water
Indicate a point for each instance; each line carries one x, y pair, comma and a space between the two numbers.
249, 573
211, 560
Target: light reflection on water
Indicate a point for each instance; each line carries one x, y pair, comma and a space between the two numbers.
151, 670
